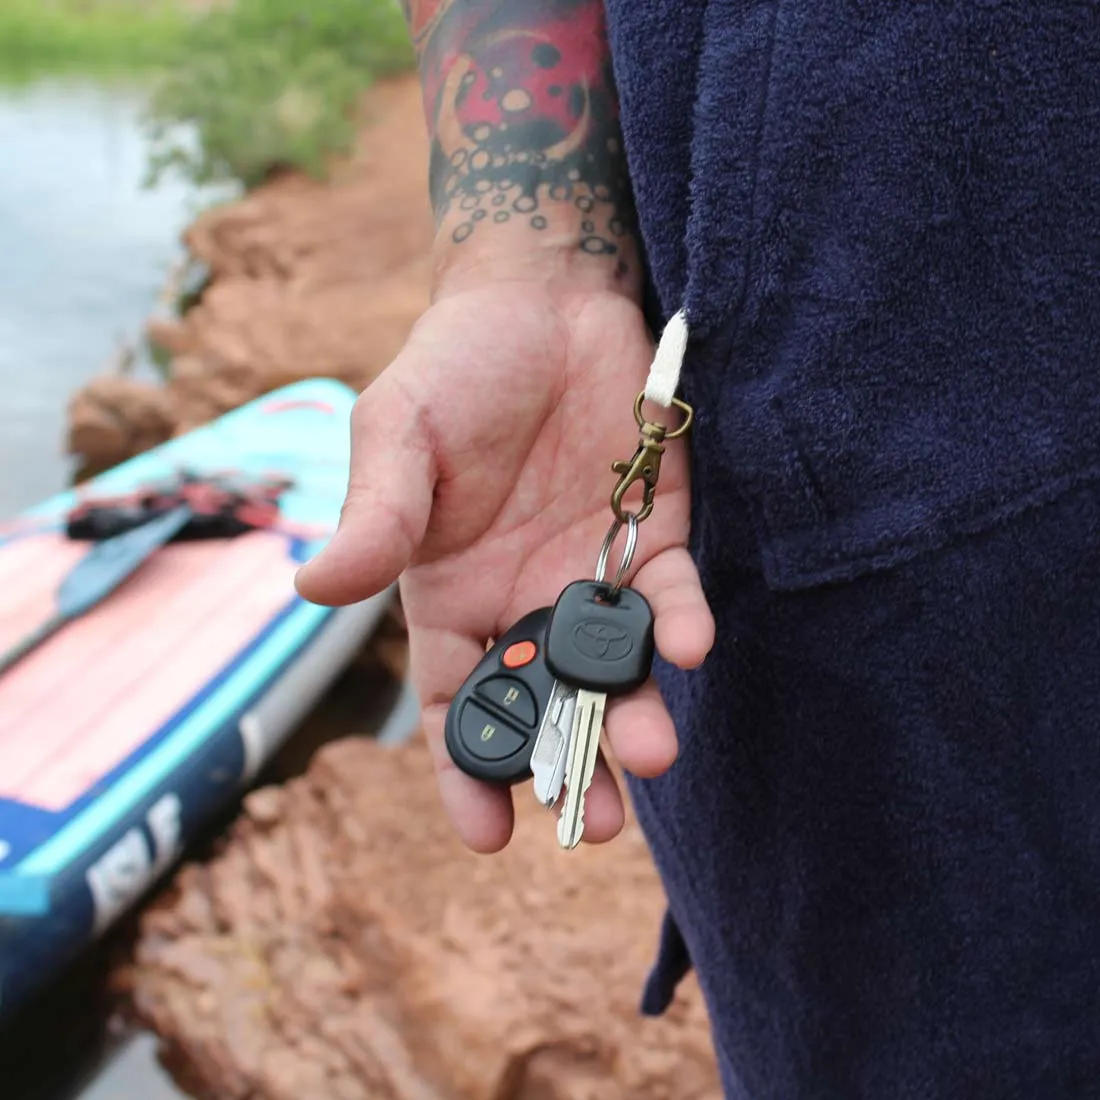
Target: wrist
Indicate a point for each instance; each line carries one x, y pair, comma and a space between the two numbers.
560, 253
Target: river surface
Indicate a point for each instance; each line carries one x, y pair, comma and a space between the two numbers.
85, 251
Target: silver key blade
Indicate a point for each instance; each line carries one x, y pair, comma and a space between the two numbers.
584, 747
549, 756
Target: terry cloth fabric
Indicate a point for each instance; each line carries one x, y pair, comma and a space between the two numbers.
881, 842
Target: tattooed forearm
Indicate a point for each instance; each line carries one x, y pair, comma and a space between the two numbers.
523, 118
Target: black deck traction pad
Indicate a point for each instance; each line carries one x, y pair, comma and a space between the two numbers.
225, 503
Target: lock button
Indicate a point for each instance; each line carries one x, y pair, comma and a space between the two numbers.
486, 736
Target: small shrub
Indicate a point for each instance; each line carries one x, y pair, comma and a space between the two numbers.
271, 84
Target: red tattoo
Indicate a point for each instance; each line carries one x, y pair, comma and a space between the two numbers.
522, 109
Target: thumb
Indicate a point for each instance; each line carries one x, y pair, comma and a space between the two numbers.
683, 622
387, 503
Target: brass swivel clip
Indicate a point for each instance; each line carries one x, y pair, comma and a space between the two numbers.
645, 464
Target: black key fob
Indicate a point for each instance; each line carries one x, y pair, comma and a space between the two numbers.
600, 642
493, 719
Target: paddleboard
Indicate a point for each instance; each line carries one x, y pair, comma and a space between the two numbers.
124, 733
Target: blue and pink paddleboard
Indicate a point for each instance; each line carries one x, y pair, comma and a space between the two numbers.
123, 734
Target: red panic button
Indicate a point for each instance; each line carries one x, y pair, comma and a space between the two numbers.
519, 654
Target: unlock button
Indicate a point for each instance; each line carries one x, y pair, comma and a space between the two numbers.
513, 697
485, 736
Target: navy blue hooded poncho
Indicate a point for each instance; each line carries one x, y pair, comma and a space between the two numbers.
881, 842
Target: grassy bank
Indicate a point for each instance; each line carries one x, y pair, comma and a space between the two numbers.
263, 84
89, 37
273, 84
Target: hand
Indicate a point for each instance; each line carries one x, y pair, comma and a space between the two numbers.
480, 474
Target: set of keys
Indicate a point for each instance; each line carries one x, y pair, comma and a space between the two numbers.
533, 707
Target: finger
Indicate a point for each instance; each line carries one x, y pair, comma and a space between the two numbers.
481, 813
641, 732
683, 627
604, 815
386, 506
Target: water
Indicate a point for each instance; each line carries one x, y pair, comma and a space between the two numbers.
84, 253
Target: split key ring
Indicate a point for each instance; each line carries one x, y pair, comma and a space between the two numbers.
628, 551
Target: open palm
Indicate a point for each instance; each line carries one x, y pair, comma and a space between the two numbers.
480, 474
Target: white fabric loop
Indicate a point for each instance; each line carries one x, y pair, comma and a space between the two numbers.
664, 374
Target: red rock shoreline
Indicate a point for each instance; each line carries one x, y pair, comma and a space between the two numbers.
305, 279
344, 946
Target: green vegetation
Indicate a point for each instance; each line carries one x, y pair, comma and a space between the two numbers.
273, 84
88, 37
263, 84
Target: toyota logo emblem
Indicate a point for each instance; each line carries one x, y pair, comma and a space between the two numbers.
601, 641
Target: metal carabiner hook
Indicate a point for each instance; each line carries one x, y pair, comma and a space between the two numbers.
643, 466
